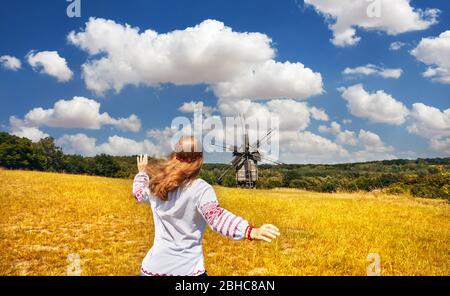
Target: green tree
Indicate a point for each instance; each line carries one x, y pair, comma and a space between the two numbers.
104, 165
52, 158
19, 153
76, 164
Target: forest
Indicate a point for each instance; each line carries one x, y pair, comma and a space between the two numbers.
429, 178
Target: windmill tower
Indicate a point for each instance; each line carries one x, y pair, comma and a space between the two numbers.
245, 161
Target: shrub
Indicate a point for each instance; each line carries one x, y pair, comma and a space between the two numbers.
398, 188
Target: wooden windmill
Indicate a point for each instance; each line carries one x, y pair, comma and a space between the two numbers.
245, 161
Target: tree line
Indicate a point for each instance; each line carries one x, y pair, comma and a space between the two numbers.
45, 155
429, 178
421, 177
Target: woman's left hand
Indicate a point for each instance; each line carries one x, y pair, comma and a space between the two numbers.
142, 161
266, 232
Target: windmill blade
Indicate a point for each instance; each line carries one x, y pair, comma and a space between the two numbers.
219, 179
232, 164
264, 157
265, 138
231, 149
237, 160
272, 161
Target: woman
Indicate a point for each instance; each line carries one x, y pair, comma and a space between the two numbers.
182, 205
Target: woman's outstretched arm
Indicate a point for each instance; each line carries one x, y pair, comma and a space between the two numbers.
140, 183
228, 224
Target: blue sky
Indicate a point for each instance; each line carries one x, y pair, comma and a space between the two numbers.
300, 34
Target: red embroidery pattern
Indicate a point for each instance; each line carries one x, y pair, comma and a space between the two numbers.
139, 184
138, 194
221, 220
210, 211
169, 274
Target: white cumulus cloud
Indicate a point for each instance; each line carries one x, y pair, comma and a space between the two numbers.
116, 145
370, 69
233, 64
372, 148
432, 124
32, 133
441, 145
79, 112
50, 63
272, 80
368, 145
292, 115
372, 142
10, 62
193, 106
429, 122
435, 52
307, 147
390, 16
343, 137
397, 45
378, 107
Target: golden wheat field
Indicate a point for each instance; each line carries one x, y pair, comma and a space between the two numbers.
46, 216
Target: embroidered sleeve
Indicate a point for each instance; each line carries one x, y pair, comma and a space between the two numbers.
140, 187
219, 219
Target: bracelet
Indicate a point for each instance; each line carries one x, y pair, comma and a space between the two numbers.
250, 228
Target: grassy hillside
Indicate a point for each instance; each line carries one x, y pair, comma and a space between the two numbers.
47, 216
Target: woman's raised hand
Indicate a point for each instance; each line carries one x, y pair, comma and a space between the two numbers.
266, 232
142, 161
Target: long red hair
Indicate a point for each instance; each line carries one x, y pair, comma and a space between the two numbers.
180, 168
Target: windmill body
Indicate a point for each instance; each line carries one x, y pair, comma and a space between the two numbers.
245, 162
246, 171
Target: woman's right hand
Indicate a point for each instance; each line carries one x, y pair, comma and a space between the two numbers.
266, 232
142, 161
